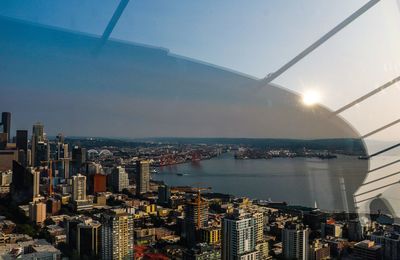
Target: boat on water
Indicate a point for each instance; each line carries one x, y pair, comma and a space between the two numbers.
154, 171
179, 174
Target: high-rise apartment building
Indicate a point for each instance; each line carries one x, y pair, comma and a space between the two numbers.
83, 235
88, 238
295, 242
142, 177
239, 236
119, 179
117, 236
259, 217
79, 187
262, 250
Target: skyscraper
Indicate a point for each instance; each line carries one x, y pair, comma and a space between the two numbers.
6, 122
78, 158
37, 136
22, 140
119, 179
38, 131
142, 177
22, 186
65, 161
60, 138
79, 187
164, 195
60, 153
295, 242
117, 235
239, 236
22, 146
42, 152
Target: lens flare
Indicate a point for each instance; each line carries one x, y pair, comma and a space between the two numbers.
311, 97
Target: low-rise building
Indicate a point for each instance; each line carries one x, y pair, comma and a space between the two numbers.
202, 251
367, 250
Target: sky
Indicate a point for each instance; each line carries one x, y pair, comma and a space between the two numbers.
254, 38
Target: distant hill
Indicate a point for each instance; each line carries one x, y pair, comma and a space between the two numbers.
343, 145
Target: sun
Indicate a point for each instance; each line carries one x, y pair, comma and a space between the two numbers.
311, 97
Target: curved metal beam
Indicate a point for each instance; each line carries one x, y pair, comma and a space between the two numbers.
320, 41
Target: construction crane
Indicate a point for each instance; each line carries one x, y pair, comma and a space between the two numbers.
198, 202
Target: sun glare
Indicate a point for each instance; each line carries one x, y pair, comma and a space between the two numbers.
311, 97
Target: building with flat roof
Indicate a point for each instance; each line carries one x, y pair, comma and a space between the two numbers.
37, 212
295, 242
119, 179
239, 236
117, 235
367, 250
142, 177
79, 187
